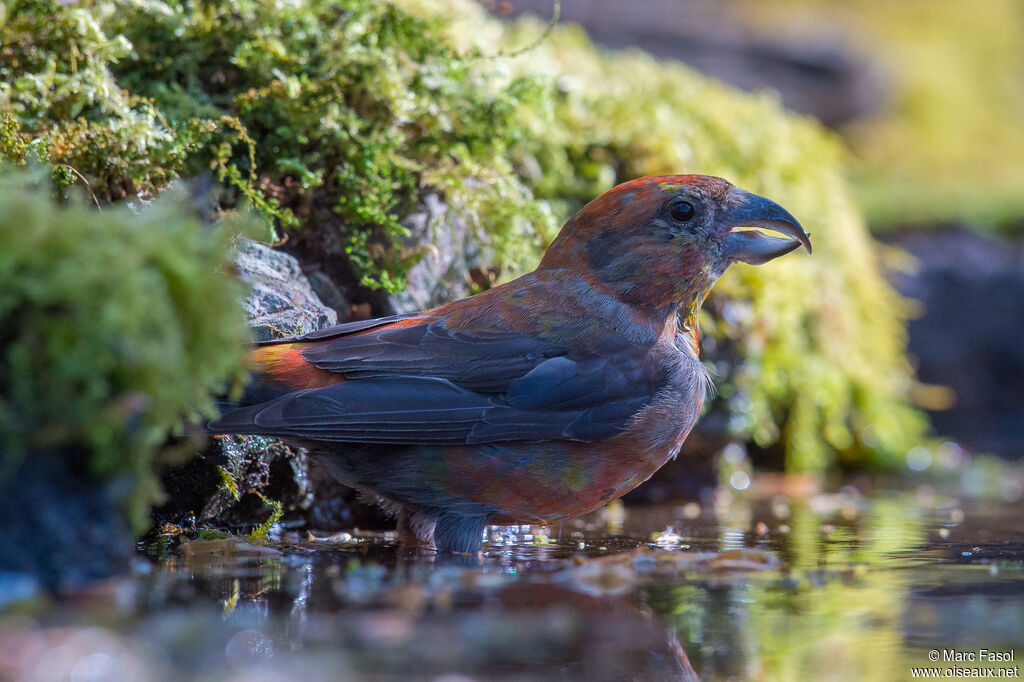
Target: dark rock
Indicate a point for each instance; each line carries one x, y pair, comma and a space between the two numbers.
189, 487
336, 507
329, 293
968, 335
253, 463
60, 525
281, 302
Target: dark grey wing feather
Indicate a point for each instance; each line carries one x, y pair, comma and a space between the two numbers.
424, 383
481, 361
384, 410
343, 329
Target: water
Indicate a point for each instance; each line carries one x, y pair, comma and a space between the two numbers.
773, 587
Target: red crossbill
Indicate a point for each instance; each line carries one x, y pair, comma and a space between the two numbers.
537, 400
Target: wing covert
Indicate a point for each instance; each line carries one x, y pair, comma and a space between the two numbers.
412, 380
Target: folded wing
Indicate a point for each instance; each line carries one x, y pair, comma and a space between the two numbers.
412, 380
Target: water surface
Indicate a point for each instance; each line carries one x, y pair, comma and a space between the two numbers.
773, 586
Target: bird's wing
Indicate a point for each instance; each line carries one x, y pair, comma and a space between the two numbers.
415, 381
344, 329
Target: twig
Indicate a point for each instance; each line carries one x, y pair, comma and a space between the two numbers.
556, 11
87, 185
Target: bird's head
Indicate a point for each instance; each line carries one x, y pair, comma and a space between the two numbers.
664, 240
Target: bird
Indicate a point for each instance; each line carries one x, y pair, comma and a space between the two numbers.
539, 399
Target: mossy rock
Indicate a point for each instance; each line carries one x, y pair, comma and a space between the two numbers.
116, 326
335, 117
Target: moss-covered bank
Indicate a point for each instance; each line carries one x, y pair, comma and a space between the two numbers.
333, 116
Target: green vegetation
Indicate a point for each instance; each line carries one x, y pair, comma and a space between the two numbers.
115, 326
338, 111
333, 116
276, 513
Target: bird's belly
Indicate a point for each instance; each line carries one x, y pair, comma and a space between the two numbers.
523, 482
552, 481
555, 480
566, 480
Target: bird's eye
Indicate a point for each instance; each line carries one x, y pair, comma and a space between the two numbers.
681, 211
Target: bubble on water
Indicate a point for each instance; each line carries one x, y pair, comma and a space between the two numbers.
919, 458
739, 480
734, 454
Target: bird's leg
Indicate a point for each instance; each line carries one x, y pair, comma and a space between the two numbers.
456, 533
414, 530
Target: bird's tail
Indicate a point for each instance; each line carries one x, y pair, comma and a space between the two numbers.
277, 369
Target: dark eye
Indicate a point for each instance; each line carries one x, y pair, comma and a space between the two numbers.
681, 211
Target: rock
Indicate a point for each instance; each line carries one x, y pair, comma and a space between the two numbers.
968, 334
329, 293
450, 252
282, 302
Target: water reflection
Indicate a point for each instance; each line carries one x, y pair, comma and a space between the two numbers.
827, 587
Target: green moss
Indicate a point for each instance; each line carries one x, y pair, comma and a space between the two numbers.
115, 326
276, 513
229, 482
213, 534
355, 105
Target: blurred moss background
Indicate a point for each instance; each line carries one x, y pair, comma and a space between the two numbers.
949, 145
331, 118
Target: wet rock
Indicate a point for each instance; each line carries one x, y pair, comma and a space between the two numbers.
282, 302
254, 464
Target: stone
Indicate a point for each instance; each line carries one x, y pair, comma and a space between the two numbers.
451, 251
329, 293
281, 302
967, 335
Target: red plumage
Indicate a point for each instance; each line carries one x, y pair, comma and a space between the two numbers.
537, 400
